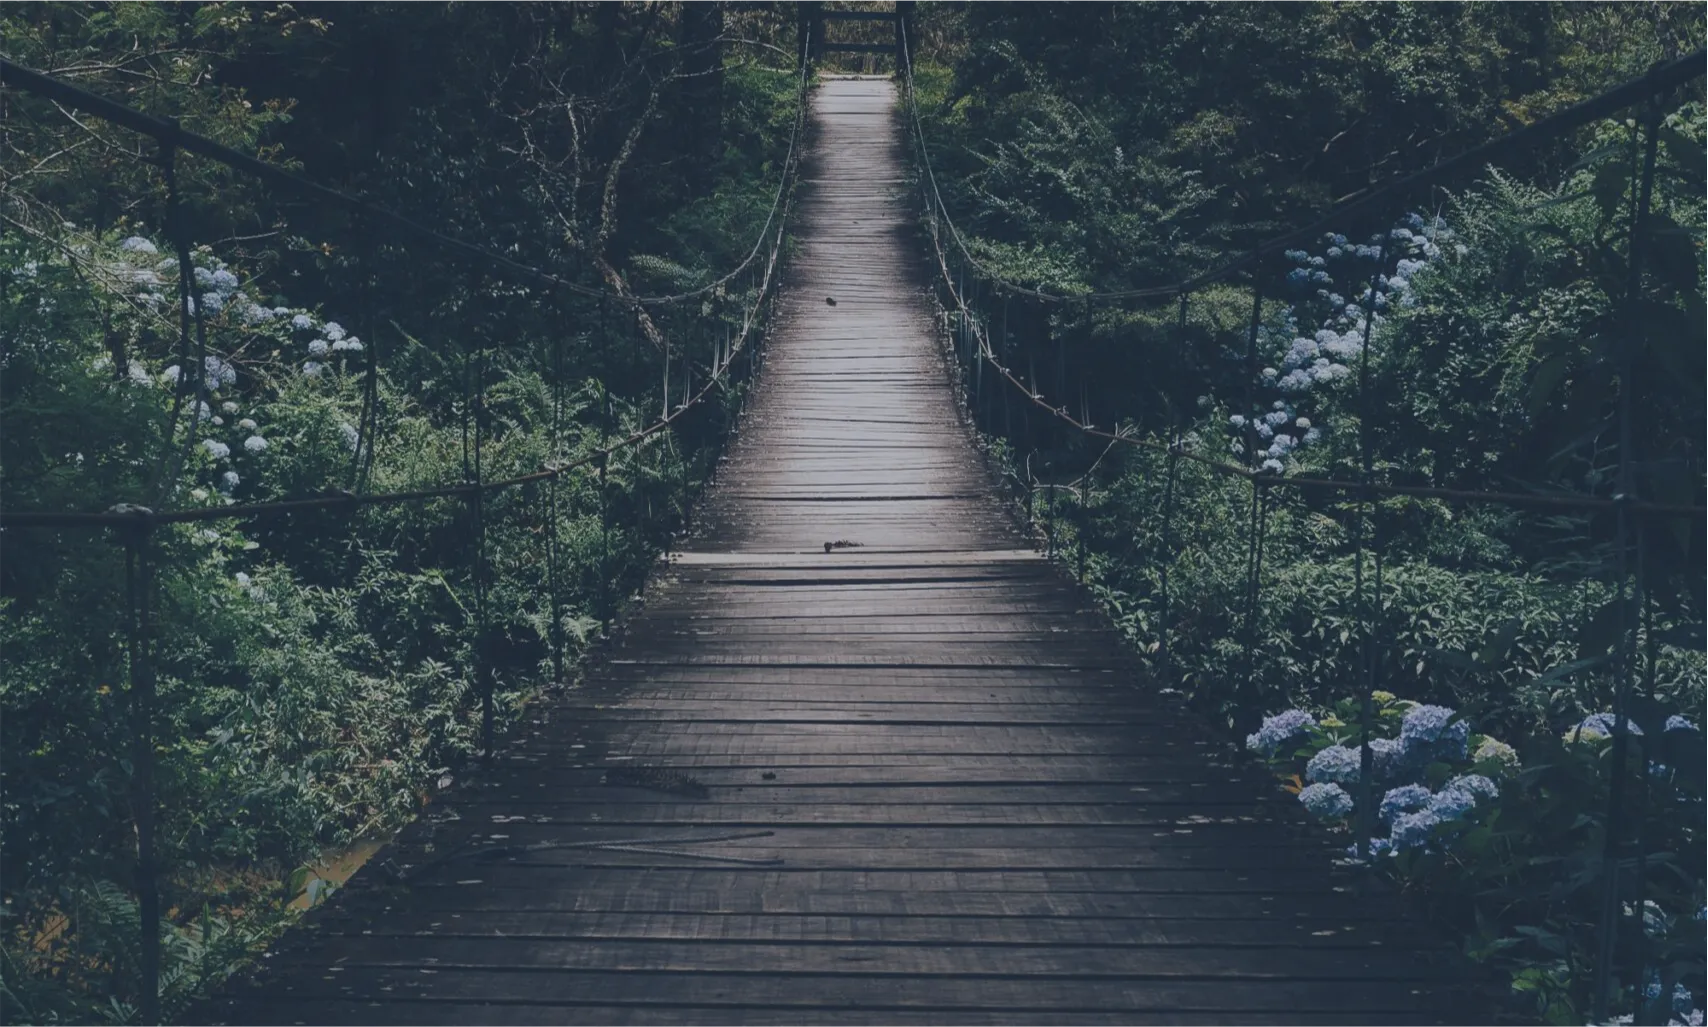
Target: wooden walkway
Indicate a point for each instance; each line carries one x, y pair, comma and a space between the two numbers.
908, 782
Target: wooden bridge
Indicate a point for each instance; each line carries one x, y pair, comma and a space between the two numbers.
907, 780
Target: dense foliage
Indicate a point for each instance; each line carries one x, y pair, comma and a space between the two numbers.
1095, 148
318, 673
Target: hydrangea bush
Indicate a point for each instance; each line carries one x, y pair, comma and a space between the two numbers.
1460, 816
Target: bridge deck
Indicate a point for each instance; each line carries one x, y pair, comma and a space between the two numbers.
958, 804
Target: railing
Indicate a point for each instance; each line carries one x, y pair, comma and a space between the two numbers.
729, 316
982, 343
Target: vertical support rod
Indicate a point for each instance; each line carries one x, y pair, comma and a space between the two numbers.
904, 11
1254, 522
1367, 702
1084, 517
139, 585
477, 498
555, 603
1606, 930
1166, 557
604, 462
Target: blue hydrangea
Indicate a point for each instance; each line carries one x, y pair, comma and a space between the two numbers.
1378, 847
1272, 465
1476, 785
1278, 730
1601, 725
229, 480
1297, 256
302, 321
1679, 722
216, 449
255, 444
1451, 804
1389, 758
1430, 733
137, 244
1404, 799
218, 372
1412, 830
1298, 276
1326, 800
1336, 764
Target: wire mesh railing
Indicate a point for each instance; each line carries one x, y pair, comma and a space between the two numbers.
1037, 426
186, 300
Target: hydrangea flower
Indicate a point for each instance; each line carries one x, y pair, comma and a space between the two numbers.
1412, 830
1497, 751
242, 579
1404, 799
1601, 725
247, 424
1273, 466
318, 348
348, 345
352, 437
1278, 730
229, 407
1451, 804
1679, 722
171, 373
1336, 764
217, 372
1378, 847
1475, 785
255, 444
302, 321
1430, 732
216, 449
1326, 800
333, 330
311, 369
1388, 757
137, 244
229, 480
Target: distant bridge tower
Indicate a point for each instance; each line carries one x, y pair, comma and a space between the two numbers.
812, 17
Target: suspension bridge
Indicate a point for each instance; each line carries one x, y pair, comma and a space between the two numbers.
865, 754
